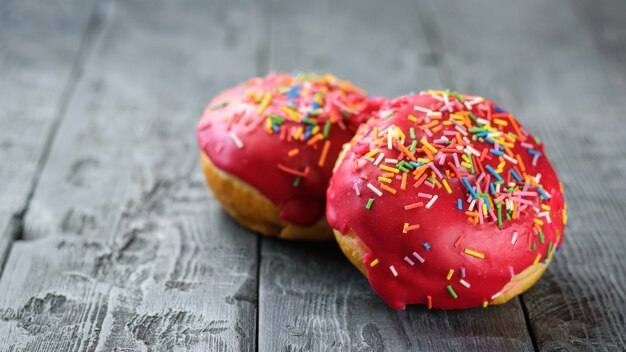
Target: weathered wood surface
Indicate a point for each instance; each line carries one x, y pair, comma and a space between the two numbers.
561, 78
39, 65
123, 247
325, 302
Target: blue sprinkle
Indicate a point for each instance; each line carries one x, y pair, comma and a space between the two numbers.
275, 128
493, 172
416, 164
459, 204
296, 73
490, 140
534, 152
411, 93
427, 246
315, 105
543, 194
498, 109
469, 188
492, 188
496, 152
487, 205
307, 135
481, 134
293, 92
516, 176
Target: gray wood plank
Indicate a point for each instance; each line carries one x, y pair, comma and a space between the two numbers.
310, 296
38, 66
124, 246
538, 60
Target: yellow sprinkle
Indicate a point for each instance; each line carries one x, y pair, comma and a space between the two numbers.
374, 263
384, 179
537, 259
474, 253
315, 129
412, 118
500, 122
545, 207
484, 208
390, 169
292, 113
450, 273
372, 153
298, 133
429, 146
266, 101
564, 216
293, 152
466, 165
485, 304
538, 222
445, 184
375, 133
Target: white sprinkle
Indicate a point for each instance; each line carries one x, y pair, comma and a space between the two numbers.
418, 257
431, 202
480, 178
389, 145
357, 190
442, 159
463, 131
424, 110
391, 161
406, 259
472, 204
464, 283
472, 150
437, 114
393, 270
496, 295
482, 121
378, 160
374, 189
368, 158
466, 140
514, 239
235, 139
513, 161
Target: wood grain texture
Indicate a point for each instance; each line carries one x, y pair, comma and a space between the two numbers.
539, 60
38, 65
124, 246
310, 296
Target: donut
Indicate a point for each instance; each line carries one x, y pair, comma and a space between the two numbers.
268, 147
444, 199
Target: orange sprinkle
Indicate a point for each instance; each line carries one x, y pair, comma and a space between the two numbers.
458, 241
406, 152
430, 302
293, 152
315, 138
324, 154
537, 259
388, 189
413, 206
403, 184
294, 172
412, 118
374, 263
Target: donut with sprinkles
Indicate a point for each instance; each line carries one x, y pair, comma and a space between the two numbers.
268, 147
445, 199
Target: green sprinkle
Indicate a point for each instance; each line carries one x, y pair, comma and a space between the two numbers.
483, 195
534, 247
314, 113
473, 117
296, 181
276, 119
541, 238
474, 138
309, 121
499, 206
459, 97
512, 136
413, 146
219, 105
388, 116
508, 216
431, 180
537, 140
549, 250
412, 130
477, 129
369, 203
452, 293
326, 128
345, 114
447, 92
403, 169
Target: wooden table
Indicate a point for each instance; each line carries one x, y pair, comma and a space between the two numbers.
109, 239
